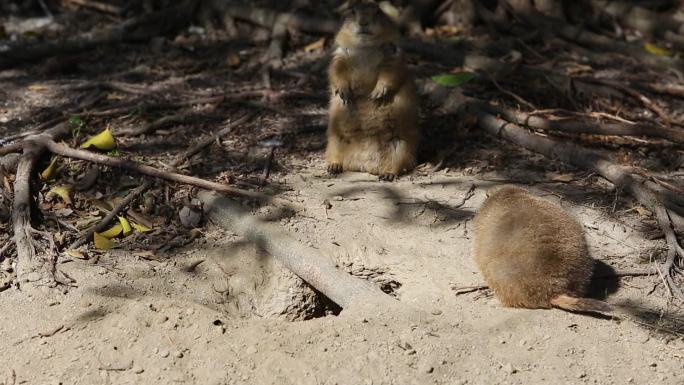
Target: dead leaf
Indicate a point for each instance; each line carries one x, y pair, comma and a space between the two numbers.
61, 191
125, 226
102, 141
38, 87
140, 228
75, 254
233, 60
316, 45
103, 243
88, 180
643, 212
657, 50
113, 231
49, 172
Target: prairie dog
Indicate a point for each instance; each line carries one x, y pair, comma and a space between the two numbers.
373, 123
532, 253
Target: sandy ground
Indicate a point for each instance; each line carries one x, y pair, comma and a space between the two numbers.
228, 319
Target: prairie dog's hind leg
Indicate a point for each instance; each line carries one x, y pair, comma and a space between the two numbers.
397, 157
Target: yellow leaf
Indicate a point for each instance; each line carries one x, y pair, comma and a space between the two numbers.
125, 225
103, 243
657, 50
49, 172
75, 254
62, 192
113, 231
103, 141
643, 212
37, 87
140, 228
316, 45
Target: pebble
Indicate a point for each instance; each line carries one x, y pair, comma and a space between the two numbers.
137, 369
425, 367
436, 312
508, 368
164, 353
162, 318
178, 354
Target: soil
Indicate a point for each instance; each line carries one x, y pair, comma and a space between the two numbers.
237, 317
220, 311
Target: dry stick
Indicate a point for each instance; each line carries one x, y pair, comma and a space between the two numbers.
131, 165
306, 262
133, 194
206, 142
27, 259
99, 6
586, 126
638, 96
666, 89
623, 176
147, 184
11, 148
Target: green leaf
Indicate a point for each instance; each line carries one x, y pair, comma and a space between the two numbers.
76, 121
453, 79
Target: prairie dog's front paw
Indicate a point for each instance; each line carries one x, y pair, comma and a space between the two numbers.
381, 93
387, 177
334, 168
345, 94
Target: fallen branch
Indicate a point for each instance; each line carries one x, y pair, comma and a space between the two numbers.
206, 142
305, 262
586, 126
131, 165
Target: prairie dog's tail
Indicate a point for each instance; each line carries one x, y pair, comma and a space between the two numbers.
586, 305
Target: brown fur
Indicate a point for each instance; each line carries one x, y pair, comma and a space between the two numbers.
532, 253
373, 102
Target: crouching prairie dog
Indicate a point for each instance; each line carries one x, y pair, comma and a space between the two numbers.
373, 124
532, 253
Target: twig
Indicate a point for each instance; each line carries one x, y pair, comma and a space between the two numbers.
469, 194
267, 167
133, 194
585, 126
208, 141
513, 95
469, 289
99, 6
131, 165
638, 96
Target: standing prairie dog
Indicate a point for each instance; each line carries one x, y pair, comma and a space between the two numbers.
532, 253
373, 123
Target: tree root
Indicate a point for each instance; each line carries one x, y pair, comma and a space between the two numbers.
35, 262
305, 262
589, 126
131, 165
